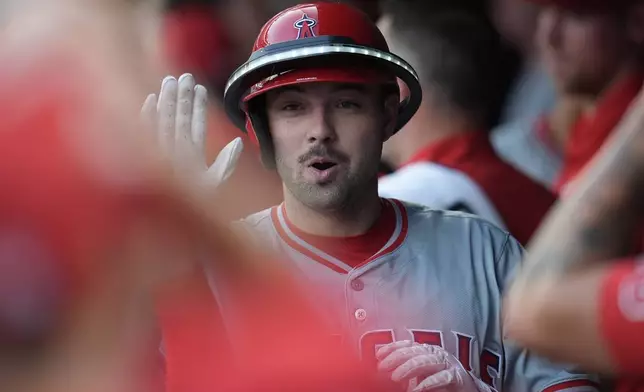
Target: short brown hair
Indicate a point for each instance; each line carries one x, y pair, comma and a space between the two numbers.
459, 59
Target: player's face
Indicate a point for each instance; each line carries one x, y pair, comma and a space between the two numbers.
582, 51
328, 140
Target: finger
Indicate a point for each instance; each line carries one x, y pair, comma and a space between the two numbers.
199, 117
420, 366
438, 381
225, 163
183, 121
385, 350
149, 112
402, 354
149, 106
167, 111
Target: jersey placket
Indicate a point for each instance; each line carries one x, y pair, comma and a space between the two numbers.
361, 304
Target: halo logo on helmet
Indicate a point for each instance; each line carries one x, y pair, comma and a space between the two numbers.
304, 27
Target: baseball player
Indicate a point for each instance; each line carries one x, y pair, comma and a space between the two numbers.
416, 292
593, 50
447, 142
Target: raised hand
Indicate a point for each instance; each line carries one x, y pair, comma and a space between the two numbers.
179, 117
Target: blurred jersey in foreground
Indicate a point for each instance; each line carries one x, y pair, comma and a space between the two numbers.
97, 232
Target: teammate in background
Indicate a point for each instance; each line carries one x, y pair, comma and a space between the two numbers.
579, 299
520, 137
443, 155
415, 291
593, 49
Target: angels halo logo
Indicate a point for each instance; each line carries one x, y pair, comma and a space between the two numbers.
305, 26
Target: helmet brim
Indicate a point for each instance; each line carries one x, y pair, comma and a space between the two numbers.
338, 74
318, 52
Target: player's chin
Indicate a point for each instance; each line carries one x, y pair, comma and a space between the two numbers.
330, 196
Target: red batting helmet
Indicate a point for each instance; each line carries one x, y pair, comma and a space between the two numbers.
317, 42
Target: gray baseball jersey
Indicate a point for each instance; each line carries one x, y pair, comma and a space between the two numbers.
439, 279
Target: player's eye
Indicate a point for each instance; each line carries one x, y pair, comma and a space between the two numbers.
349, 104
289, 107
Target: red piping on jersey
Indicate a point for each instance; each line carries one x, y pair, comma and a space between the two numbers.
350, 264
285, 237
401, 236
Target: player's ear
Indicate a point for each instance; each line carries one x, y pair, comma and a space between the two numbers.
391, 105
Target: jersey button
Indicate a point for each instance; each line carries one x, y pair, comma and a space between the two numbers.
357, 285
360, 314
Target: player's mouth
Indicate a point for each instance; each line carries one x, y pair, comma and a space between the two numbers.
321, 170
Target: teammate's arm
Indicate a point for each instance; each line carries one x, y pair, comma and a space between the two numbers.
595, 319
553, 304
528, 371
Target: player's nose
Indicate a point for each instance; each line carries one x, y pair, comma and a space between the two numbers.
321, 129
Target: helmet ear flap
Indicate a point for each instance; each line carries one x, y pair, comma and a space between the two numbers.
257, 125
250, 130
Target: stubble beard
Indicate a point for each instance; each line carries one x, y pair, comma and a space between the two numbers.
331, 197
343, 193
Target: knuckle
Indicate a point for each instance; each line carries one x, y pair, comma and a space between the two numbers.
448, 377
433, 359
416, 349
417, 362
